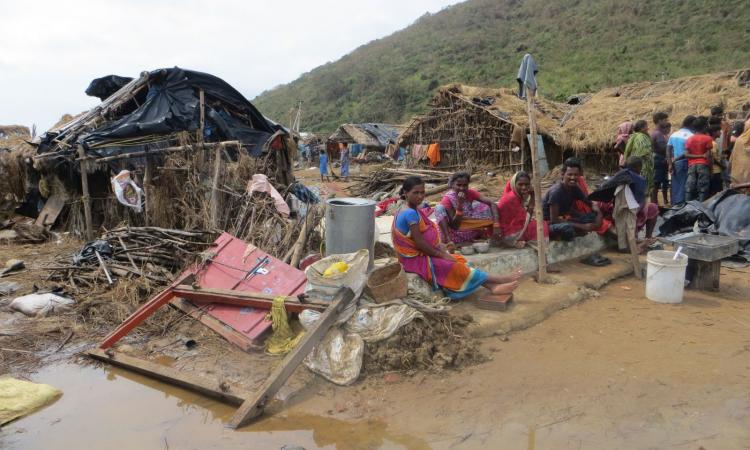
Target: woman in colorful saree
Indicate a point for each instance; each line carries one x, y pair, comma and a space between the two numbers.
464, 214
516, 208
417, 241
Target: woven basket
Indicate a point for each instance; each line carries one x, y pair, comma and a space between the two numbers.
387, 283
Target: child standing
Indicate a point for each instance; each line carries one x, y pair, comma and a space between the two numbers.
698, 152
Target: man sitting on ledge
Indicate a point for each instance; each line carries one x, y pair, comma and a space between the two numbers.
567, 209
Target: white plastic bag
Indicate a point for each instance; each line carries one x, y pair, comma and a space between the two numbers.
324, 288
41, 304
378, 323
338, 357
127, 192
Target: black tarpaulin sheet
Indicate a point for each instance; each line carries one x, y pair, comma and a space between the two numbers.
727, 214
172, 104
105, 86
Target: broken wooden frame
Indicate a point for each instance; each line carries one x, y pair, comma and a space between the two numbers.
252, 404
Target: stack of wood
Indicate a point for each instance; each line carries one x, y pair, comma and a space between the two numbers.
390, 180
153, 253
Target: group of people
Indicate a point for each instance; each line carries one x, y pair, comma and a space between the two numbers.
695, 157
344, 160
425, 238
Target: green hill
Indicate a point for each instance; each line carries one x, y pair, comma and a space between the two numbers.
580, 45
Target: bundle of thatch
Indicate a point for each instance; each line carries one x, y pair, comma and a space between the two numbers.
15, 150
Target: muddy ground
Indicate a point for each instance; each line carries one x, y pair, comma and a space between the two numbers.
616, 371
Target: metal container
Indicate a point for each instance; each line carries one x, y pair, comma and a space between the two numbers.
350, 226
705, 247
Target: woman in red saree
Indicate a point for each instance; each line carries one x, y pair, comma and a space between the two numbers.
516, 208
417, 241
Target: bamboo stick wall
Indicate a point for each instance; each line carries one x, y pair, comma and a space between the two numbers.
466, 133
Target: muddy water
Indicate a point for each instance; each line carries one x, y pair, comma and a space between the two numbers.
110, 408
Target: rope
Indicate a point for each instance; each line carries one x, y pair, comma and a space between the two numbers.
283, 340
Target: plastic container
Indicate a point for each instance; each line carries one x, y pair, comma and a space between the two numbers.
665, 276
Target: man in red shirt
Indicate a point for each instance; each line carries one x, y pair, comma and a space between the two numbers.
698, 152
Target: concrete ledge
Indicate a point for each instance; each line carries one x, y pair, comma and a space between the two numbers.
505, 260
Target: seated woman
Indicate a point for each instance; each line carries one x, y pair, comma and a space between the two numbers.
516, 208
464, 214
417, 241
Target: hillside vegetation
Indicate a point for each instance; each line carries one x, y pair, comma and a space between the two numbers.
580, 46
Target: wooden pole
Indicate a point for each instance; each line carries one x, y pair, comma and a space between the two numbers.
147, 190
537, 184
254, 406
215, 188
202, 97
86, 198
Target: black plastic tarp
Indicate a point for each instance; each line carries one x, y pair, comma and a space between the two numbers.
727, 214
172, 104
105, 86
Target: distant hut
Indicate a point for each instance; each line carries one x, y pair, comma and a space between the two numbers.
366, 137
480, 126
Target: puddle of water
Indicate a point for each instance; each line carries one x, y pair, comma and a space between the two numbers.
111, 408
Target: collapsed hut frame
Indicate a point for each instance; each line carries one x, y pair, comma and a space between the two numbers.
465, 132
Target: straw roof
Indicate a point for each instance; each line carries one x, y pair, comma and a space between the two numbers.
592, 125
505, 104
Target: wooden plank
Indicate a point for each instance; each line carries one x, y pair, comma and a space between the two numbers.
254, 406
238, 298
231, 335
215, 188
220, 390
51, 210
86, 198
705, 275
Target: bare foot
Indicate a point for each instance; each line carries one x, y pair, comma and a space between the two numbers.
505, 288
519, 244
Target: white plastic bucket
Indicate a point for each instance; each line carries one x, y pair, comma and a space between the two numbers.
665, 276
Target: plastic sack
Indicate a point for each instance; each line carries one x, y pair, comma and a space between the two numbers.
127, 192
41, 304
338, 357
378, 323
19, 398
324, 288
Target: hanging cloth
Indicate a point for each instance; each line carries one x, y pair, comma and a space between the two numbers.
433, 154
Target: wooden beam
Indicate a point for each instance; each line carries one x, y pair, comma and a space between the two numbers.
202, 98
220, 390
239, 298
231, 335
86, 198
254, 406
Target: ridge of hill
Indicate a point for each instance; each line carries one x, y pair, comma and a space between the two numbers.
580, 46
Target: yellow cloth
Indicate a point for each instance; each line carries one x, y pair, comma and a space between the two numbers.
19, 398
283, 340
433, 154
716, 154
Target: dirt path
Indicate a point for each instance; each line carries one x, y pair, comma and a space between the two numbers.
614, 372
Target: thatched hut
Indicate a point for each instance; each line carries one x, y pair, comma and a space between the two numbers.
592, 125
189, 138
481, 126
365, 137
